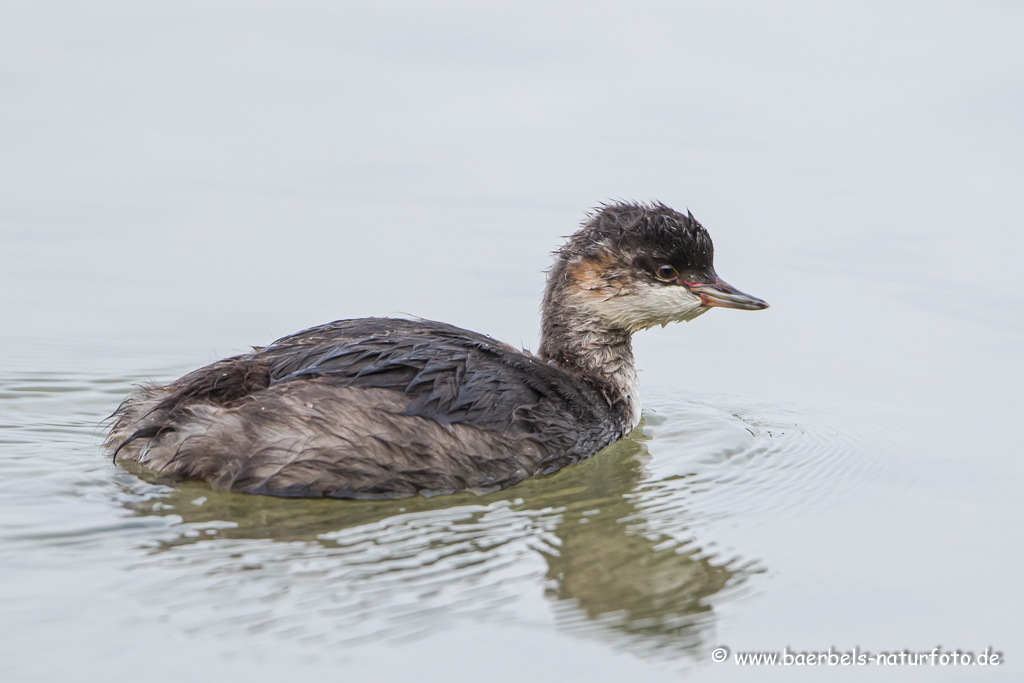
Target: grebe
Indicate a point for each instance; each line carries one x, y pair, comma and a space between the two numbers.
385, 408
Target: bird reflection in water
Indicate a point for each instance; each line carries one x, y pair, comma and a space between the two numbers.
452, 557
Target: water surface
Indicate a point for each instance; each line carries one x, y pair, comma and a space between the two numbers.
182, 181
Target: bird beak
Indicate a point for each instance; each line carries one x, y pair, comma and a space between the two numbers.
719, 293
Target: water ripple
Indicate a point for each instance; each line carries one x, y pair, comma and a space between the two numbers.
623, 548
728, 457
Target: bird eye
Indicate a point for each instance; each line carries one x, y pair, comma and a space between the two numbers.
665, 273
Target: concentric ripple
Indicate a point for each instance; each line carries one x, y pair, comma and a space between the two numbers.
735, 458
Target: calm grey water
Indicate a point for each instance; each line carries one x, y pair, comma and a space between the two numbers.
181, 180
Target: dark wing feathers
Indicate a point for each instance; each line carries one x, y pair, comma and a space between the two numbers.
447, 374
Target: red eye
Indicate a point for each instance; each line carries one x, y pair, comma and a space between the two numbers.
665, 272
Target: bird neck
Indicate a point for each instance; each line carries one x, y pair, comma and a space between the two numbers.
588, 347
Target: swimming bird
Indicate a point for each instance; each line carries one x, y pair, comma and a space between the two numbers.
387, 407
